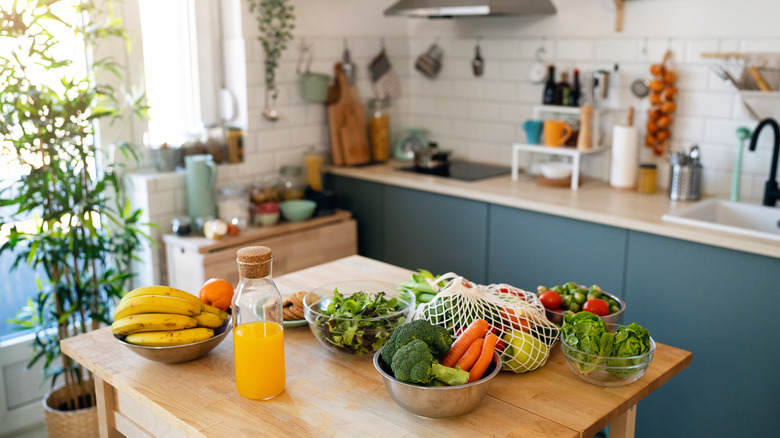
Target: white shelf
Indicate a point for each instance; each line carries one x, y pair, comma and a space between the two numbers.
542, 112
761, 104
575, 154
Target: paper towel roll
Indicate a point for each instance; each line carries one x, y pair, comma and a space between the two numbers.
625, 157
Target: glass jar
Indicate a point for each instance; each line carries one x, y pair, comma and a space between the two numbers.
647, 178
413, 141
258, 333
234, 140
265, 190
291, 183
233, 205
379, 129
313, 162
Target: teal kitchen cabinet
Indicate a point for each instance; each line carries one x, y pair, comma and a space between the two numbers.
722, 306
366, 202
435, 232
527, 249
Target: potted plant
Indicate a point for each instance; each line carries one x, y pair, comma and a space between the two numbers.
69, 219
275, 21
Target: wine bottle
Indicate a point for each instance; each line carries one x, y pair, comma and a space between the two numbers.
574, 94
562, 89
549, 86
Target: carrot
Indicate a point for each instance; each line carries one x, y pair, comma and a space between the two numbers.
485, 357
471, 355
477, 329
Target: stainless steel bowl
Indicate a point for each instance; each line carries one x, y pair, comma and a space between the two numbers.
180, 353
437, 401
613, 318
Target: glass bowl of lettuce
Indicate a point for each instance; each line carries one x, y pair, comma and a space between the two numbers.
605, 354
357, 316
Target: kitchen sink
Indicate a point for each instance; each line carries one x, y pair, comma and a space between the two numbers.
734, 217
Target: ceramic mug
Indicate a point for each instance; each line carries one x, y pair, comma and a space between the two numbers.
533, 131
556, 132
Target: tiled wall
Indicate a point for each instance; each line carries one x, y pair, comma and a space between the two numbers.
479, 118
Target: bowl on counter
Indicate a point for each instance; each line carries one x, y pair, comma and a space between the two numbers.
297, 210
358, 336
607, 371
180, 353
556, 170
437, 401
612, 318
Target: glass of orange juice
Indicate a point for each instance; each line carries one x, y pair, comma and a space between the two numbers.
258, 333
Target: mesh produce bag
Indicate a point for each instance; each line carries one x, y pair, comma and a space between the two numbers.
515, 316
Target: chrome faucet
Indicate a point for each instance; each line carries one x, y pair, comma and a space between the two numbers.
771, 190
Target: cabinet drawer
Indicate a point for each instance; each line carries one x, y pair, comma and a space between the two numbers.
189, 269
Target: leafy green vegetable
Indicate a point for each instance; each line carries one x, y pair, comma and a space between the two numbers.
420, 287
356, 323
589, 335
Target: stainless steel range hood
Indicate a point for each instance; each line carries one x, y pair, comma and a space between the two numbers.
466, 8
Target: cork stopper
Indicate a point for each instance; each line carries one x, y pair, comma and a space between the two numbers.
254, 261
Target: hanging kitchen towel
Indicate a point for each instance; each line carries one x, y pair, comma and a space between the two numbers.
385, 80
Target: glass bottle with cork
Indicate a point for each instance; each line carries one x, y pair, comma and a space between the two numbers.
258, 333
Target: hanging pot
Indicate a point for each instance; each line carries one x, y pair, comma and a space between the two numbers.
79, 423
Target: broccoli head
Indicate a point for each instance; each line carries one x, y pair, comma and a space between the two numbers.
436, 337
414, 363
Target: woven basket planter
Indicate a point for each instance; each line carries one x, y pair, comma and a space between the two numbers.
79, 423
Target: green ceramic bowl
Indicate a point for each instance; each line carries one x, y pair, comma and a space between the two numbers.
297, 210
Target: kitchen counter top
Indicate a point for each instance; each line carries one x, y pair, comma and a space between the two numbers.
332, 394
595, 201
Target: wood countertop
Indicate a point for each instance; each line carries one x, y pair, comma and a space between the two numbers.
332, 394
595, 201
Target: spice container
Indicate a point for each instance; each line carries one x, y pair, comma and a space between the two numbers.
313, 163
235, 145
647, 178
379, 129
258, 333
291, 183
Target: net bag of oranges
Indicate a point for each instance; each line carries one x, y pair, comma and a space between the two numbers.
516, 316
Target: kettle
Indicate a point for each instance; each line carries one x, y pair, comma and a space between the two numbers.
201, 178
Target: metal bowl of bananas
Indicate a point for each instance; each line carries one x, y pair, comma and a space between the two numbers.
168, 325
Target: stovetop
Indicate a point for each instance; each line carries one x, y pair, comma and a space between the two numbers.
462, 170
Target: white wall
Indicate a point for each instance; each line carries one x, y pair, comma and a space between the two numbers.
479, 118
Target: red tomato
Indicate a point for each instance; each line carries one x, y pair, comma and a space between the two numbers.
551, 300
597, 306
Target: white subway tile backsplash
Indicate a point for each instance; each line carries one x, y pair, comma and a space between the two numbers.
617, 50
572, 50
483, 111
695, 47
705, 104
501, 91
452, 108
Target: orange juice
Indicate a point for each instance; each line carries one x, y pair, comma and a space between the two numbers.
258, 348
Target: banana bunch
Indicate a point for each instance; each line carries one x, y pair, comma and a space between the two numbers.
161, 316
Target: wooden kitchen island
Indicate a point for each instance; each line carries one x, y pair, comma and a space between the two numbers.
330, 394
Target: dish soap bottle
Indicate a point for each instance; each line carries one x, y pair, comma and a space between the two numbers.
258, 333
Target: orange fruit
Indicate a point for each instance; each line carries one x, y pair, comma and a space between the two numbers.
217, 292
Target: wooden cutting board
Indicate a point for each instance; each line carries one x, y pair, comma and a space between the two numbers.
347, 123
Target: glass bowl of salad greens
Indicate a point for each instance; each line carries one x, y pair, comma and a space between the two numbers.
357, 316
605, 354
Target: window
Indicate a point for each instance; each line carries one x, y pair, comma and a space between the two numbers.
180, 44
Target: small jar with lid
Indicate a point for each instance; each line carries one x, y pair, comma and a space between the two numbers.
233, 205
258, 331
291, 183
647, 178
379, 128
